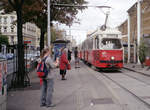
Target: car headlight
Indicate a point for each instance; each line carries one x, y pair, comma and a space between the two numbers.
112, 58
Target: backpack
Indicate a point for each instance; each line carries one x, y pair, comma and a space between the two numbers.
42, 70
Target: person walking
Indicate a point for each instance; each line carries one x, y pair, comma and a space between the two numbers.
48, 82
76, 57
69, 55
63, 63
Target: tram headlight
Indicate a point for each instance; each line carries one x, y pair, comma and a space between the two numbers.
112, 58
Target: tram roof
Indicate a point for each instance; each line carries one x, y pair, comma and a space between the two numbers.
107, 31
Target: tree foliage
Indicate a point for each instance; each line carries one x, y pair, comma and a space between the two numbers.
37, 13
4, 40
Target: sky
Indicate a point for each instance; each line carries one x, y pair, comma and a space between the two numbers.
92, 18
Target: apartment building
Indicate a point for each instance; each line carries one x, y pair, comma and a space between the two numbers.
145, 27
8, 26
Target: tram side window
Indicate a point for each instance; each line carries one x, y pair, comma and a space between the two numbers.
96, 43
111, 43
90, 44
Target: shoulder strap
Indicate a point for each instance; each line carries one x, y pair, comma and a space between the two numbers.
44, 59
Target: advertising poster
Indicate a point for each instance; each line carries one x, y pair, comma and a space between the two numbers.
1, 79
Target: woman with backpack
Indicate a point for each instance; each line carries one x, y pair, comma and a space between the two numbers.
47, 80
63, 63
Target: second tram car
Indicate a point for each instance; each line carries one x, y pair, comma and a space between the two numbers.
103, 49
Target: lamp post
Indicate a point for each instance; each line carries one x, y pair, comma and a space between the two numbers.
48, 25
128, 38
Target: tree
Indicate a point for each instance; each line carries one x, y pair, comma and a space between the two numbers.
142, 50
17, 6
37, 13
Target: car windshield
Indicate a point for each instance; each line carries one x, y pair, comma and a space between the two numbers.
111, 43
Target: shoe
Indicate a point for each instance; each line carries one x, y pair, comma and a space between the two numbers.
42, 105
63, 79
51, 105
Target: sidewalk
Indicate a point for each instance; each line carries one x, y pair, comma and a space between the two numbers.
137, 68
76, 93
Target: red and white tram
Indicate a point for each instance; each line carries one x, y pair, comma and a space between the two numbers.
103, 49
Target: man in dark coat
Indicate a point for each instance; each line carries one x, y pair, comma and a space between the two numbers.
69, 55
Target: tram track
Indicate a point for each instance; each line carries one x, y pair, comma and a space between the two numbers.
127, 90
136, 78
106, 75
136, 72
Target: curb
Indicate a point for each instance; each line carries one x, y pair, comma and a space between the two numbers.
137, 71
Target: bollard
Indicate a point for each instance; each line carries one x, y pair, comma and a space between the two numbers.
3, 85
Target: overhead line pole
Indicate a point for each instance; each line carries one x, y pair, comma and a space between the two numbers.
129, 38
48, 25
138, 27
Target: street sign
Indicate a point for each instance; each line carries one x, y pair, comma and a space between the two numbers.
27, 42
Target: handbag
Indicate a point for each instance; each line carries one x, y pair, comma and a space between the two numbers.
68, 67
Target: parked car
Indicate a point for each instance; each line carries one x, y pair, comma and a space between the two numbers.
9, 56
2, 56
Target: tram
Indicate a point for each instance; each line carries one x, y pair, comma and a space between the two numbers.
103, 49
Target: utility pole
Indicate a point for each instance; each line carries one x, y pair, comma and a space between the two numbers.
48, 24
138, 27
129, 38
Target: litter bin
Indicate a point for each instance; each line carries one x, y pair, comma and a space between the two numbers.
3, 85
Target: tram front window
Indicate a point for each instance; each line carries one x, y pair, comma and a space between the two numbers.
111, 43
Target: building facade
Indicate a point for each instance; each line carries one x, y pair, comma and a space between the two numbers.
145, 28
8, 27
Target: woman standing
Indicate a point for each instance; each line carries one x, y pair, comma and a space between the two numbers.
48, 82
63, 63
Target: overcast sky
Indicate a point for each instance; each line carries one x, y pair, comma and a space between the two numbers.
92, 18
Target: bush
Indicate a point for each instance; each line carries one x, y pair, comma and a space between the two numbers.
3, 40
142, 51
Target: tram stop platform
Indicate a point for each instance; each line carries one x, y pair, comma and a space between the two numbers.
81, 91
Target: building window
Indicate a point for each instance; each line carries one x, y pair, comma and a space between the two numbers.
0, 29
12, 39
0, 20
5, 29
5, 20
12, 19
12, 29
